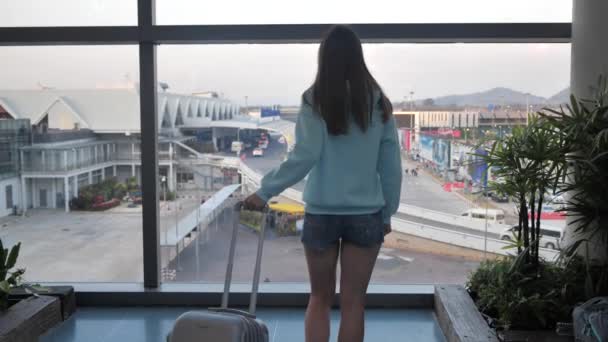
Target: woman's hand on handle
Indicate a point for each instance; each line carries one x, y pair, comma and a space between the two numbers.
254, 202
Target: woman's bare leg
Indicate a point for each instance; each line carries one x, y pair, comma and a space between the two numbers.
356, 266
322, 272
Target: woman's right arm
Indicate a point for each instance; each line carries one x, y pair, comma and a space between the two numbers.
306, 152
389, 169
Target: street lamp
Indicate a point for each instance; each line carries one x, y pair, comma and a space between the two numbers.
411, 100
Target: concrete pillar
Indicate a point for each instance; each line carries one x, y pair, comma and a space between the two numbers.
54, 193
103, 173
65, 160
66, 194
34, 189
132, 170
95, 154
75, 186
90, 177
133, 153
170, 178
43, 160
214, 137
589, 46
23, 192
114, 171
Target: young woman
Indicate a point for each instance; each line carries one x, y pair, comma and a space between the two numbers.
346, 141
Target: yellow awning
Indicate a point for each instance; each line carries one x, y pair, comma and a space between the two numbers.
294, 209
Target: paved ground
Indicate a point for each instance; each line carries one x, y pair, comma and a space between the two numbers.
104, 247
283, 261
82, 246
426, 192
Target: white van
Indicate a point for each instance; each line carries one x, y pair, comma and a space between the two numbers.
550, 237
492, 215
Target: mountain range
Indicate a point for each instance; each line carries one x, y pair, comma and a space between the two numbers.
501, 96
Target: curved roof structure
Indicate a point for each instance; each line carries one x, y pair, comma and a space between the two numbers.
115, 110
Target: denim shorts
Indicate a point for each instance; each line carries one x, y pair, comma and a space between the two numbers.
323, 231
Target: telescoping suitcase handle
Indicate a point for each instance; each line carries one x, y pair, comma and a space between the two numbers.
258, 261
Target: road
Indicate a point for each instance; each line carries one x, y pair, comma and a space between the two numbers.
422, 191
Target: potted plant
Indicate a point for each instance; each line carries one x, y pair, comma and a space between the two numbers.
28, 318
523, 292
565, 152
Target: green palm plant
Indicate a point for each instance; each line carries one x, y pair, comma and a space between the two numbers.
583, 126
9, 278
528, 163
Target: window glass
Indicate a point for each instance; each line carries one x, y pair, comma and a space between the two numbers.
68, 13
181, 12
69, 132
432, 240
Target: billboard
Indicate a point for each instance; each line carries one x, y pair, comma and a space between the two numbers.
436, 150
479, 169
267, 112
426, 147
406, 139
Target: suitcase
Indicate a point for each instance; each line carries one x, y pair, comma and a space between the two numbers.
224, 324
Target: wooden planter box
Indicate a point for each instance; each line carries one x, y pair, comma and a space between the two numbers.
29, 318
533, 336
460, 321
65, 294
458, 316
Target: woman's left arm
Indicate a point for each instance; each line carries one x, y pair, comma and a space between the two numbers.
305, 154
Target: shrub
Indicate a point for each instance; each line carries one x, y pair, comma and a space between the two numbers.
119, 190
519, 297
252, 219
105, 205
170, 196
131, 183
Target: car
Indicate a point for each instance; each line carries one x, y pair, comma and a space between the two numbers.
550, 236
258, 152
499, 197
491, 215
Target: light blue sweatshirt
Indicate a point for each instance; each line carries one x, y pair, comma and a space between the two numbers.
357, 173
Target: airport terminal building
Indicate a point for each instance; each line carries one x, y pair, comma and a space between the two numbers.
52, 142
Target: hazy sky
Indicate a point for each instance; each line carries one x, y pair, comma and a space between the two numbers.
278, 73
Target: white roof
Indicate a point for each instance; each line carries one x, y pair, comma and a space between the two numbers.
107, 110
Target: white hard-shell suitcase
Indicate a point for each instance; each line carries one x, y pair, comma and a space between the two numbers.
224, 324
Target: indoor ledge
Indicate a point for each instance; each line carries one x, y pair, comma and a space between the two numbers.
207, 294
238, 288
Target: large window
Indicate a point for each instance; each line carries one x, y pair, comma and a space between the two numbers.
78, 203
75, 152
440, 232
